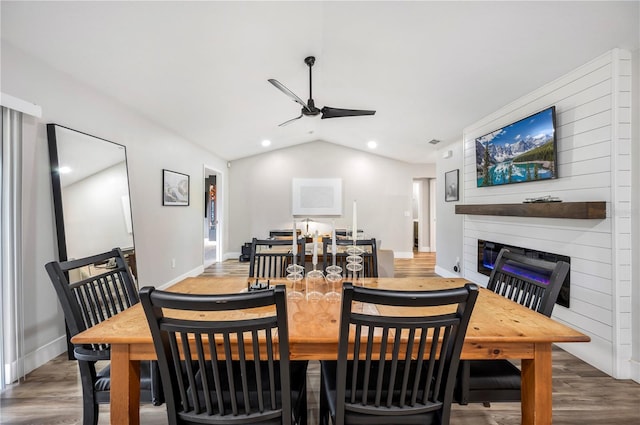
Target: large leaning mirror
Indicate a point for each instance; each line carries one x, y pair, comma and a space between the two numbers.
90, 194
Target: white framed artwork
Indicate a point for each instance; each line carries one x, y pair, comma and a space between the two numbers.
316, 196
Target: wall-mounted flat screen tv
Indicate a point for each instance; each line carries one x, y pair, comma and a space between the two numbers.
523, 151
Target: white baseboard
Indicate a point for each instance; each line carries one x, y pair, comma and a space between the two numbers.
193, 273
440, 271
36, 358
597, 352
231, 255
401, 254
635, 371
58, 346
424, 249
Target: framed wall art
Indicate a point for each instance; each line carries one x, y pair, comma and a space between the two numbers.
451, 185
316, 197
175, 188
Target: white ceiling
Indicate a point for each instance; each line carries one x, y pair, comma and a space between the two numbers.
200, 69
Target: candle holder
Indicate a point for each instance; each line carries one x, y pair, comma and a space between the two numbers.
334, 272
354, 259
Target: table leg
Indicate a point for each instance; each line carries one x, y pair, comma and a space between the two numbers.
537, 386
125, 387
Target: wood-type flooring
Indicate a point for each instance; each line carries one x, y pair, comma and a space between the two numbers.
582, 395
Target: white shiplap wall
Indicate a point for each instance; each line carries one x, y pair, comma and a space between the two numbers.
593, 114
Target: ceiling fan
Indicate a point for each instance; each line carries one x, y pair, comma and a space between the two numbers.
309, 109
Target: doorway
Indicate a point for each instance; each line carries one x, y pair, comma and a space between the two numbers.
212, 222
423, 235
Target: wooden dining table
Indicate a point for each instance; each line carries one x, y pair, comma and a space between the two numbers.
498, 329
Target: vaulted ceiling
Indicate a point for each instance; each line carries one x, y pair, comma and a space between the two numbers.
429, 69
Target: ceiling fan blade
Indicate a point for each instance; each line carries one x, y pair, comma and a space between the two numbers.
289, 93
329, 112
289, 121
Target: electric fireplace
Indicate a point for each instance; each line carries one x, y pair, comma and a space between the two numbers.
488, 253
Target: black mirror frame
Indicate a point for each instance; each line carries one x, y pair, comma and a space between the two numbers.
56, 186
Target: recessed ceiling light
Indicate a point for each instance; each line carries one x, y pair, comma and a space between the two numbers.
64, 170
372, 144
266, 143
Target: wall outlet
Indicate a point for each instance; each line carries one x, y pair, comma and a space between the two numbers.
173, 263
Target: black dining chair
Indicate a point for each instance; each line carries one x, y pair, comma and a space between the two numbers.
270, 257
91, 290
219, 368
533, 283
398, 368
369, 256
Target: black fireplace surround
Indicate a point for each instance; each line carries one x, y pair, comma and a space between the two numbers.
488, 253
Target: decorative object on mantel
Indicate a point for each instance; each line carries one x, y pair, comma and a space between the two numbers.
577, 210
547, 198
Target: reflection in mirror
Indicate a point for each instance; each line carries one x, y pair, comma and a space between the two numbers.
90, 194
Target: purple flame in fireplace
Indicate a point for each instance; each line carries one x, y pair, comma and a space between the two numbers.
538, 276
541, 276
488, 254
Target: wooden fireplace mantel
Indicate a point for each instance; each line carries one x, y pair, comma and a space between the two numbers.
579, 210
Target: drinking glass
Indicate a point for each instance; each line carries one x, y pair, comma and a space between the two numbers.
315, 285
334, 275
295, 275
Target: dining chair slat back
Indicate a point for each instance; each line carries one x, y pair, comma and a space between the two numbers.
532, 282
225, 370
369, 257
270, 257
90, 291
398, 368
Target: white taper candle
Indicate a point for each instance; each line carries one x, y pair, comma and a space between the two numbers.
315, 249
294, 240
355, 222
333, 238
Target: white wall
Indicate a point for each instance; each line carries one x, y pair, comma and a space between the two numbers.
593, 107
635, 223
449, 225
260, 192
160, 233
